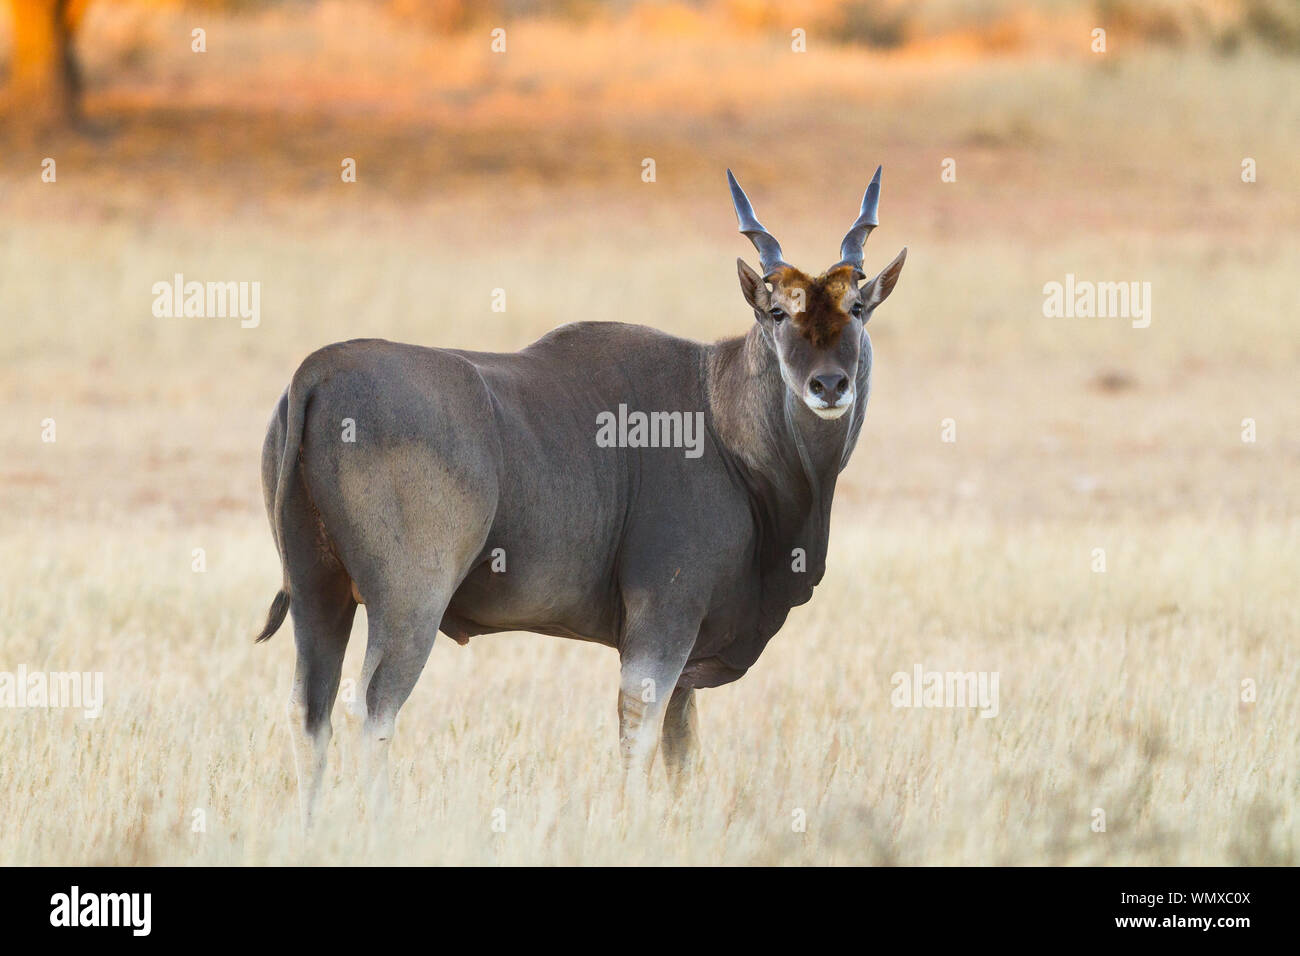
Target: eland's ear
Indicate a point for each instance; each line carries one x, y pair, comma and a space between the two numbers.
753, 287
877, 290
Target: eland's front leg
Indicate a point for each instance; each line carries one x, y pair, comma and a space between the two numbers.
652, 662
640, 717
681, 736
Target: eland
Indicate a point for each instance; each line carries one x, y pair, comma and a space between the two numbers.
472, 492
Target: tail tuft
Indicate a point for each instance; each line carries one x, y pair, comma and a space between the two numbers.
275, 616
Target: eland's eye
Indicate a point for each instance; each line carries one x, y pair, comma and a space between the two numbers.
777, 315
856, 311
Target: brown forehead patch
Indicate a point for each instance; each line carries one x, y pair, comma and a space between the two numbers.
822, 319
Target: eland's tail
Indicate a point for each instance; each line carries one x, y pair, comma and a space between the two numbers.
279, 470
275, 616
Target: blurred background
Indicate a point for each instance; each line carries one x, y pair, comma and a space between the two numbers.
526, 170
572, 154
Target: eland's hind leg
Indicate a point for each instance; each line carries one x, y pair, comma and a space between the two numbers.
322, 621
412, 590
409, 505
397, 648
322, 608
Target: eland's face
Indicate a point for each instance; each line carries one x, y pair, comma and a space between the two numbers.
816, 324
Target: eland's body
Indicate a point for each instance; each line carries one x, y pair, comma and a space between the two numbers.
472, 492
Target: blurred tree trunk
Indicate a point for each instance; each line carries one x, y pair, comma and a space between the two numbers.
45, 81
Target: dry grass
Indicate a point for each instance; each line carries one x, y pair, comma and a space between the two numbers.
1119, 691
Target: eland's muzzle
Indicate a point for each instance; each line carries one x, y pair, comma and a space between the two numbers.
828, 394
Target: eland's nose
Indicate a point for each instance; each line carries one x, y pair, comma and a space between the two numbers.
829, 387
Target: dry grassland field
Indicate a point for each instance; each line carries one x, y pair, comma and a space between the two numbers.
1100, 513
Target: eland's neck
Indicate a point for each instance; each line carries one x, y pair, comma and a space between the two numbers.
787, 456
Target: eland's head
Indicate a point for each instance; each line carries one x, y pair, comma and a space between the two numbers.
816, 324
